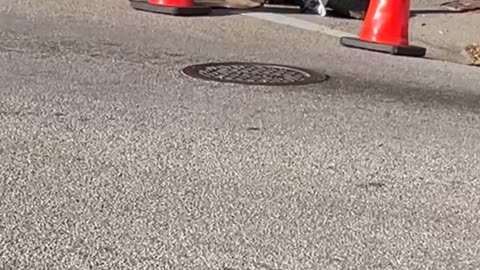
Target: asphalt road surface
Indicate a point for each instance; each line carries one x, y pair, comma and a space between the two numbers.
112, 159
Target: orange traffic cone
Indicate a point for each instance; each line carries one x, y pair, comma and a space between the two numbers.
385, 29
170, 7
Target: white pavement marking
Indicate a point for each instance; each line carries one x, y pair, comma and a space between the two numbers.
298, 23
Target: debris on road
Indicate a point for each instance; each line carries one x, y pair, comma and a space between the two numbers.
313, 7
348, 8
462, 5
473, 53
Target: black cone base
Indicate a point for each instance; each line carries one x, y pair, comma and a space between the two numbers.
143, 5
384, 48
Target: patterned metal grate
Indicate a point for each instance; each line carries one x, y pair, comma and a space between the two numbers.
254, 74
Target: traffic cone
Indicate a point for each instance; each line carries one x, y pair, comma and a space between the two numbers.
170, 7
385, 29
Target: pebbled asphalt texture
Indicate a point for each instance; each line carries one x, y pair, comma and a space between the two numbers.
112, 159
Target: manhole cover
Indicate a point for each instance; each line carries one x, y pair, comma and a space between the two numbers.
254, 74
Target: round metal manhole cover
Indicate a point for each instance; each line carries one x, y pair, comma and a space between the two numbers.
254, 74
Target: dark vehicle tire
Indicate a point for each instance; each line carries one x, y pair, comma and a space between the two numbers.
349, 8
